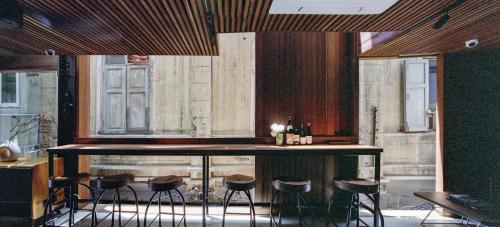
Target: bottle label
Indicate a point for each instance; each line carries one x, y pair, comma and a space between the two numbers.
303, 140
309, 139
296, 139
289, 139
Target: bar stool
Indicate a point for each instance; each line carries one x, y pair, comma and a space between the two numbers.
290, 186
164, 185
58, 183
356, 187
239, 183
114, 183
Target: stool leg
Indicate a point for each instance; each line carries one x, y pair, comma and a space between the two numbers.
113, 211
94, 215
226, 203
378, 208
252, 211
183, 206
119, 207
357, 209
300, 210
172, 206
350, 211
280, 202
71, 206
147, 208
47, 204
271, 217
330, 204
136, 204
159, 209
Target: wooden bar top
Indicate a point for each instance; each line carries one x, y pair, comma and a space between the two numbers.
212, 149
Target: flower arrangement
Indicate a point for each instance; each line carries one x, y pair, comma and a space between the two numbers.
277, 132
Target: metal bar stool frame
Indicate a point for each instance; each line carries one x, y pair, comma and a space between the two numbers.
178, 195
74, 200
301, 202
116, 199
355, 204
227, 199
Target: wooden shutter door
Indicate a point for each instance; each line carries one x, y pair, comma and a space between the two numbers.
113, 105
137, 99
416, 79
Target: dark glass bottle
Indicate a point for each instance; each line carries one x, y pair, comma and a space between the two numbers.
302, 139
308, 134
289, 132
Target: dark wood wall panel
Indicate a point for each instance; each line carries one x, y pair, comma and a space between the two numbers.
311, 76
291, 71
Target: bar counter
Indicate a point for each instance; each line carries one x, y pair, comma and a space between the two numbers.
207, 150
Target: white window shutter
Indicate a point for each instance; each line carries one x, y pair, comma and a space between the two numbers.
113, 107
137, 99
416, 81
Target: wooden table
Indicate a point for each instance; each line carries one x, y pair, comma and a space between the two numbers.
207, 150
441, 199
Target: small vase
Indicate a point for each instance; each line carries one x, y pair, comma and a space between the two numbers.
9, 151
279, 139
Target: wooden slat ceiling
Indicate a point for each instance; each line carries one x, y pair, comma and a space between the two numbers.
179, 27
473, 19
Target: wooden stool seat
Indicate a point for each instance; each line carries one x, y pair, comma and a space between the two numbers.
362, 186
165, 183
238, 182
63, 182
114, 181
292, 184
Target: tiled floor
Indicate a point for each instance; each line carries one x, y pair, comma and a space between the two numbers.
394, 218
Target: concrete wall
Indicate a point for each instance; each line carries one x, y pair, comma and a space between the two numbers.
408, 161
38, 95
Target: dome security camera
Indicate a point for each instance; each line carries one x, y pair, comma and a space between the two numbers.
471, 43
49, 52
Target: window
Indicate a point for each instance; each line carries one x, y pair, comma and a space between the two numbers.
420, 94
9, 85
125, 98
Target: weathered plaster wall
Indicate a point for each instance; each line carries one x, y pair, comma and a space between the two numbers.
408, 158
191, 96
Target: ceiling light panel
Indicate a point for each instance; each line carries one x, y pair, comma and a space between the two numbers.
330, 6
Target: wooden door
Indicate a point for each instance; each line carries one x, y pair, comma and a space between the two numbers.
137, 99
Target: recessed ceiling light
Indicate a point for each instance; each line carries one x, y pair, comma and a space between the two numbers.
330, 6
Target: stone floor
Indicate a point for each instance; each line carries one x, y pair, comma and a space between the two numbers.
396, 218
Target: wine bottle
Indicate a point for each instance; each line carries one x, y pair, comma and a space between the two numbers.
296, 135
302, 135
309, 138
289, 131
